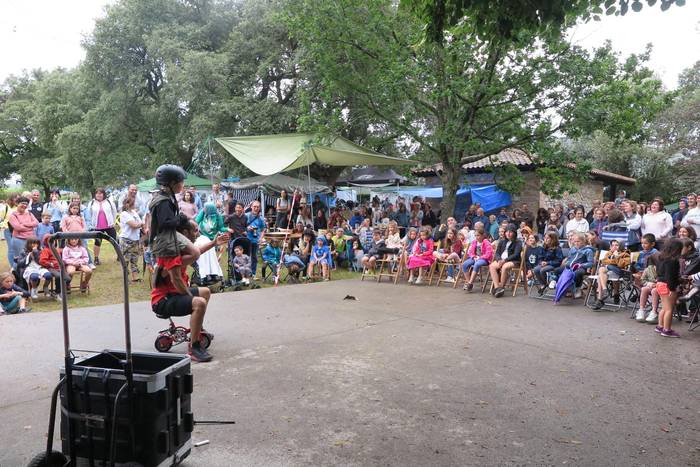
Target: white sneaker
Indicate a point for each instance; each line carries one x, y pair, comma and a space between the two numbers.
418, 281
411, 280
653, 317
34, 294
578, 293
552, 284
639, 316
450, 279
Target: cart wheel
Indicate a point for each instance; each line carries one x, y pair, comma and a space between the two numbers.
55, 459
163, 343
205, 339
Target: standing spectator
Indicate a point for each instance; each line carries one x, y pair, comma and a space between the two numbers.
318, 204
256, 232
237, 222
22, 224
5, 212
416, 216
187, 205
133, 194
657, 221
621, 196
542, 220
217, 197
73, 221
692, 218
36, 207
130, 235
210, 222
296, 204
56, 209
679, 214
282, 216
633, 223
101, 215
527, 216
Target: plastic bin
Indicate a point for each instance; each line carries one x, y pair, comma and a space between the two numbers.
153, 428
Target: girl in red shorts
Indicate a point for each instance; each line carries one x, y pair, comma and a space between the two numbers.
669, 272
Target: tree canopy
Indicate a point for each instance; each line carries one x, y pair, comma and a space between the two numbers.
441, 81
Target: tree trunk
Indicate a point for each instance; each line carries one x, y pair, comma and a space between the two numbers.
450, 184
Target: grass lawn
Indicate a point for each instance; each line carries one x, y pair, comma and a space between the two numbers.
106, 284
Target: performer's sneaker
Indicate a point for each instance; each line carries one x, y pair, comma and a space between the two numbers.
198, 354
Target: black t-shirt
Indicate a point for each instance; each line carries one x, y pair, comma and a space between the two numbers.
37, 209
237, 224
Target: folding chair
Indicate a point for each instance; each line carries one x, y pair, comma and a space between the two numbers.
390, 266
520, 276
367, 272
442, 267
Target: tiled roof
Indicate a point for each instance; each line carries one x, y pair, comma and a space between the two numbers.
520, 159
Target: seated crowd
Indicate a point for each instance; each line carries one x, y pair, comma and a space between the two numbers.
658, 250
558, 248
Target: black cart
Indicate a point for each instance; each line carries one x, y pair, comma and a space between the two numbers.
118, 407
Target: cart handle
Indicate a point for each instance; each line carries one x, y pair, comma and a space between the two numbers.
50, 242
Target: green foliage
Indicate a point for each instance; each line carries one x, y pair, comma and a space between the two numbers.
652, 168
463, 98
512, 19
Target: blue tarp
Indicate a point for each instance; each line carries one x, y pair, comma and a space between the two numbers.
490, 197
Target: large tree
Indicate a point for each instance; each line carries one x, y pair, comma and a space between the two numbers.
458, 94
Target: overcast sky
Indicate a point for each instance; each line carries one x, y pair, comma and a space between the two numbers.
47, 34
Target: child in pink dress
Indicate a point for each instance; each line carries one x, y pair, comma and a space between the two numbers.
421, 257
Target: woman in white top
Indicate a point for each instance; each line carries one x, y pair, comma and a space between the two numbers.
130, 225
578, 223
657, 221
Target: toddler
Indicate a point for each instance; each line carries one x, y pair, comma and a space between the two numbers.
648, 281
241, 264
13, 299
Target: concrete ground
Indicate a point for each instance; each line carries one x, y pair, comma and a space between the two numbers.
406, 376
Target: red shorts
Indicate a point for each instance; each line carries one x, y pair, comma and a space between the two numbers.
662, 289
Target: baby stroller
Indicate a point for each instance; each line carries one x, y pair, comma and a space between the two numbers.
235, 279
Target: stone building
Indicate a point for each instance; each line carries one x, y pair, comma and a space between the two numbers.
600, 184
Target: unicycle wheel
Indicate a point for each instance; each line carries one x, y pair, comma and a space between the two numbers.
163, 343
205, 339
54, 459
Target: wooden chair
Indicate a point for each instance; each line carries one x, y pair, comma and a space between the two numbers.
442, 268
520, 276
390, 266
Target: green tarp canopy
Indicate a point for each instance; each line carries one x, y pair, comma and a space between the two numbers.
278, 182
191, 180
271, 154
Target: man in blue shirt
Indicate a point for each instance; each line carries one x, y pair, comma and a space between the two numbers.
256, 232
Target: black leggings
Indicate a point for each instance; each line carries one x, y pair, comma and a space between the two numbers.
109, 231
